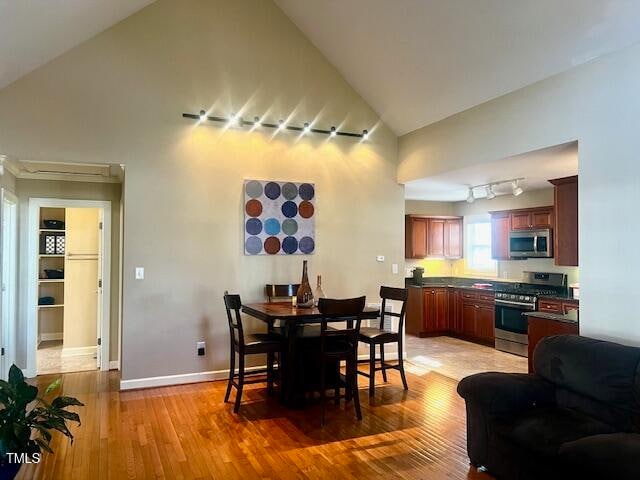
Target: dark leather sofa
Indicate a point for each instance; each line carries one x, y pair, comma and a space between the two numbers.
578, 416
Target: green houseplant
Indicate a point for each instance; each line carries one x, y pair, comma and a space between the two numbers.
27, 420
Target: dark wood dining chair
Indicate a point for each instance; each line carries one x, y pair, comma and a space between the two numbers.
244, 344
380, 336
282, 291
338, 344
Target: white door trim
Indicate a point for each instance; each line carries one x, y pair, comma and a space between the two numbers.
9, 330
30, 283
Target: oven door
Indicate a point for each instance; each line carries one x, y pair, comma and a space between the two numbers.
509, 318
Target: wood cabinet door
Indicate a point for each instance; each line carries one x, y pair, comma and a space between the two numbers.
521, 220
500, 228
455, 311
565, 238
441, 307
429, 315
415, 237
453, 238
542, 218
435, 239
485, 319
469, 319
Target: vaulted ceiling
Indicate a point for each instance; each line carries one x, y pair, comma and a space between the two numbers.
414, 61
33, 32
419, 61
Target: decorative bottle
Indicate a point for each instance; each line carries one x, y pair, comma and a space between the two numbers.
319, 292
305, 295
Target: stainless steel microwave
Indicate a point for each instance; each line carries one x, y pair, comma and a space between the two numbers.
531, 243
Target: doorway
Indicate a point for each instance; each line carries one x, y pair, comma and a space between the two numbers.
8, 254
69, 285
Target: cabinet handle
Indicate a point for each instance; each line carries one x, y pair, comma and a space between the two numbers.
433, 291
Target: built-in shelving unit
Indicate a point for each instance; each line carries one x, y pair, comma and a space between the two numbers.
51, 317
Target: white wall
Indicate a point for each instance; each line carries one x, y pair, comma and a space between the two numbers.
598, 105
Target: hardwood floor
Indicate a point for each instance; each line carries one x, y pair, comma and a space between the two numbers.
188, 432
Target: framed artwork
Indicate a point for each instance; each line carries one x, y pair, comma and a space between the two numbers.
279, 218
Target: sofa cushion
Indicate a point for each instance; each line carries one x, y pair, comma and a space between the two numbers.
603, 456
545, 430
602, 371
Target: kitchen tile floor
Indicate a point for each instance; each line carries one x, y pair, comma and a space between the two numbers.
50, 360
457, 359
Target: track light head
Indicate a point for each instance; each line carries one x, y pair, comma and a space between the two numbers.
333, 132
235, 120
306, 128
256, 122
280, 125
470, 197
365, 134
490, 193
517, 189
203, 115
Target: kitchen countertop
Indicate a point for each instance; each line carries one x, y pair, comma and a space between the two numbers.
467, 283
570, 317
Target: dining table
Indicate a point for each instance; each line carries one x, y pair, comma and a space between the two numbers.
292, 319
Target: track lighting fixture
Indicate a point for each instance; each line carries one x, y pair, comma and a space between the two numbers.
235, 120
490, 192
517, 189
470, 197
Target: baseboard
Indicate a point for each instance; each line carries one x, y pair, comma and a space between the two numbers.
167, 380
181, 379
114, 365
45, 337
78, 351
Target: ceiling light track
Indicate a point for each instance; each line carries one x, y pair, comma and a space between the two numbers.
489, 189
238, 121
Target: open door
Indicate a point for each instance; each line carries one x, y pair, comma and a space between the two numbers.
8, 255
82, 290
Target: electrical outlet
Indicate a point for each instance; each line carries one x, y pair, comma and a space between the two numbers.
200, 348
139, 273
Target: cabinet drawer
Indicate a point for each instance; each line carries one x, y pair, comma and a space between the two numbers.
549, 306
568, 306
466, 295
486, 298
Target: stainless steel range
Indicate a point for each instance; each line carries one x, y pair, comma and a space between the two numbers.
512, 301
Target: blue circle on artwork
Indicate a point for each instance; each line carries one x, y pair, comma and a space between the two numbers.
307, 245
289, 209
272, 226
253, 226
272, 190
289, 245
306, 191
253, 245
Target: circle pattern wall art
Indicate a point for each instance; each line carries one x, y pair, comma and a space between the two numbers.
279, 218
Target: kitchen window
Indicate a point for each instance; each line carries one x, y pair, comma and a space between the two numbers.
478, 246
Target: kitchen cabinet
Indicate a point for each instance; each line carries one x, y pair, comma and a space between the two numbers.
436, 311
435, 243
565, 241
455, 311
478, 316
544, 327
415, 237
549, 305
500, 228
433, 237
530, 218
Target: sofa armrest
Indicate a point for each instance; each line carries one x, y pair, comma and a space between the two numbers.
505, 393
612, 455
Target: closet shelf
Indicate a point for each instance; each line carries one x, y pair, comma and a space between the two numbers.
51, 280
54, 230
51, 306
43, 255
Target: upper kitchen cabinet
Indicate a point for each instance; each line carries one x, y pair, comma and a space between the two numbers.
532, 218
500, 228
565, 241
433, 237
415, 240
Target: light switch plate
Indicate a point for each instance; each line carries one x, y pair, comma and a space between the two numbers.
139, 273
380, 258
394, 268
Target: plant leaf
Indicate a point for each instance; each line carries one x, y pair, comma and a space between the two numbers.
62, 402
53, 386
44, 445
15, 375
